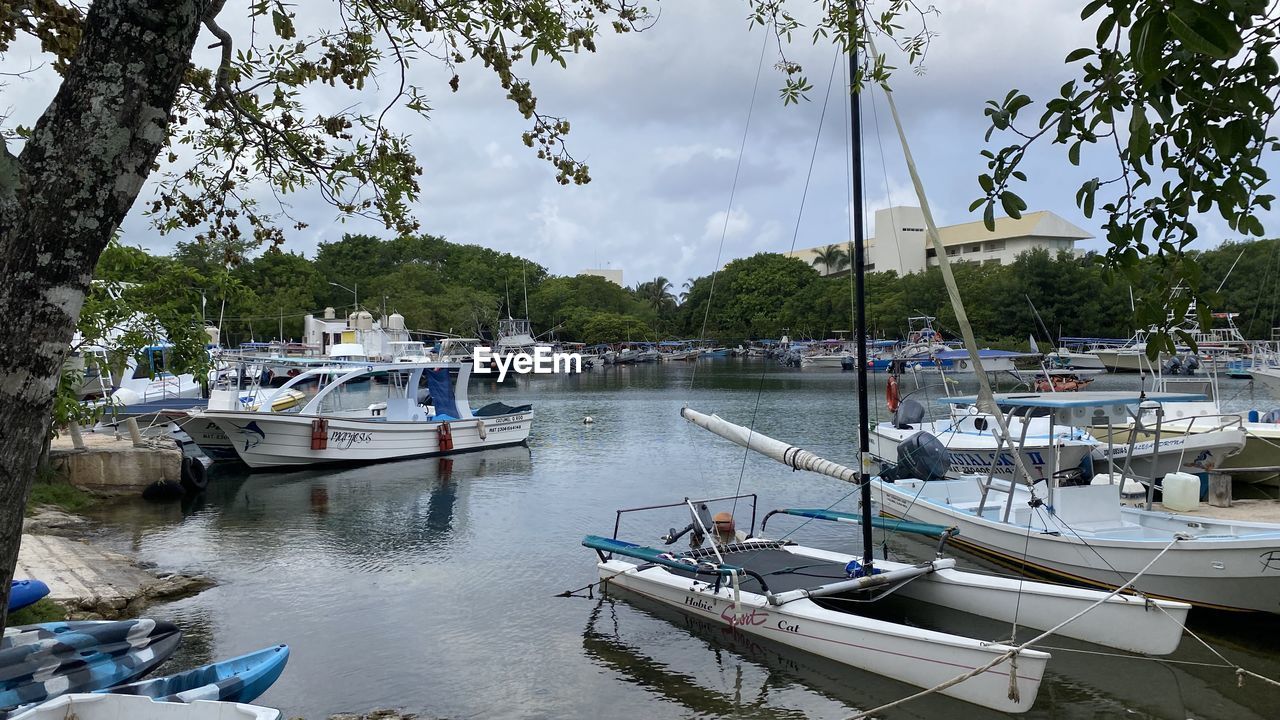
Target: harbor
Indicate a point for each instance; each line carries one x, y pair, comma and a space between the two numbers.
320, 399
415, 557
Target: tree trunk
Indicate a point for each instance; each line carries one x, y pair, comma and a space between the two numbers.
60, 201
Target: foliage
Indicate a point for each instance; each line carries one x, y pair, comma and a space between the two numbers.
41, 611
243, 125
1184, 92
612, 327
832, 258
59, 494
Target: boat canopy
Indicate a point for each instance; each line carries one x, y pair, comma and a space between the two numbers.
964, 354
1081, 409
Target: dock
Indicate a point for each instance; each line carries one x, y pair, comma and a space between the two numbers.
111, 465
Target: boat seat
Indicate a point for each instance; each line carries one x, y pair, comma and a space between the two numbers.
1088, 507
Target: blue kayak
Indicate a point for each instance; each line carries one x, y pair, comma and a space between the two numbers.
38, 662
25, 592
240, 679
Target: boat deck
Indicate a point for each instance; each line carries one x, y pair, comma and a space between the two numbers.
782, 570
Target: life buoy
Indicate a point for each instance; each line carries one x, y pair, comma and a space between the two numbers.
445, 435
891, 393
320, 434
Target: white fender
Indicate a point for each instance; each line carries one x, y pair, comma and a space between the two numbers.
480, 428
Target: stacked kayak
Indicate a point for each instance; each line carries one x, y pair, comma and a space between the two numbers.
122, 707
39, 662
240, 679
25, 592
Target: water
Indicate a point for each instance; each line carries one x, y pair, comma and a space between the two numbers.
430, 584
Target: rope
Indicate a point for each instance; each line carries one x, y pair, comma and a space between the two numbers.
733, 189
1013, 652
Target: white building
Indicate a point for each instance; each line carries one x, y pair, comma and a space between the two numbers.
899, 242
612, 275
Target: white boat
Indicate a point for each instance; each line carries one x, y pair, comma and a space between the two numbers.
338, 425
1068, 359
752, 586
1082, 534
975, 446
458, 349
93, 706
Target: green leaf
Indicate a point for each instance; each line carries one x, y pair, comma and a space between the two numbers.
1139, 132
1078, 54
1012, 204
989, 216
1202, 29
986, 183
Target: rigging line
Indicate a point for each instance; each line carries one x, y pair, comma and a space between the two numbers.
1013, 651
764, 367
1125, 656
733, 189
884, 166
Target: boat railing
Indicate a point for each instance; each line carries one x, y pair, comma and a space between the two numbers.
617, 523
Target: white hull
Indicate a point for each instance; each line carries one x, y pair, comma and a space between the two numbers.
269, 440
1065, 359
1232, 566
94, 706
1268, 378
916, 656
1194, 453
823, 361
973, 452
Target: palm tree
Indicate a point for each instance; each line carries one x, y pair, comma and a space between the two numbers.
687, 288
832, 258
656, 293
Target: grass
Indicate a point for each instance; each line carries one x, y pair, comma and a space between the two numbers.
43, 610
59, 494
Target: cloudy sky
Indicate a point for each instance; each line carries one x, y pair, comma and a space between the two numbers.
660, 118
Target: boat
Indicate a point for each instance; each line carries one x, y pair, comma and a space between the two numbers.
81, 706
1068, 358
25, 592
815, 599
39, 662
239, 680
1075, 529
338, 425
975, 445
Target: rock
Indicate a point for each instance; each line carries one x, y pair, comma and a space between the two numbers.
379, 714
49, 520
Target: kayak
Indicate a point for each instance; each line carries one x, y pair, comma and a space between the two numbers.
241, 679
25, 592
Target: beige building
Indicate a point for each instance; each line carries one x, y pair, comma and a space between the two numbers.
612, 275
899, 241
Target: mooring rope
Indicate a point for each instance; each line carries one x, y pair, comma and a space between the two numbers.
1013, 652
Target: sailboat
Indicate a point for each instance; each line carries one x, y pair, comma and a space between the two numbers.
814, 599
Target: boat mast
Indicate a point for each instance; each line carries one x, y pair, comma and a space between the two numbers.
859, 265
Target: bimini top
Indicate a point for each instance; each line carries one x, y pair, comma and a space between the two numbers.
1084, 408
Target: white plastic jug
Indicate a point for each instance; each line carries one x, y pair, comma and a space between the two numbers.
1181, 492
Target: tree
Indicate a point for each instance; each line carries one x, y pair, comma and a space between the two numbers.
656, 293
129, 92
1184, 94
832, 258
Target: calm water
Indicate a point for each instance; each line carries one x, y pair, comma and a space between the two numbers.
431, 585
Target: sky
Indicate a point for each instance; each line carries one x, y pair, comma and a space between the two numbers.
679, 134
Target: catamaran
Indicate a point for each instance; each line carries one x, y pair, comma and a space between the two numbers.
426, 411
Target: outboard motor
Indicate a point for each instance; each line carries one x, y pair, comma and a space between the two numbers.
921, 456
1190, 364
700, 518
1172, 366
909, 413
847, 363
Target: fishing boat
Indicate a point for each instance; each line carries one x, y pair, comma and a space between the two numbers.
239, 680
340, 425
976, 445
39, 662
1076, 529
82, 706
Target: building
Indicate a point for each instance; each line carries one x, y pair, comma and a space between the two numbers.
899, 243
612, 275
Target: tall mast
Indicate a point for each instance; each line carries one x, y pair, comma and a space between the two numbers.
859, 266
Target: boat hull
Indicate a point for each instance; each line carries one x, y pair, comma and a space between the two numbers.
270, 440
1217, 572
915, 656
